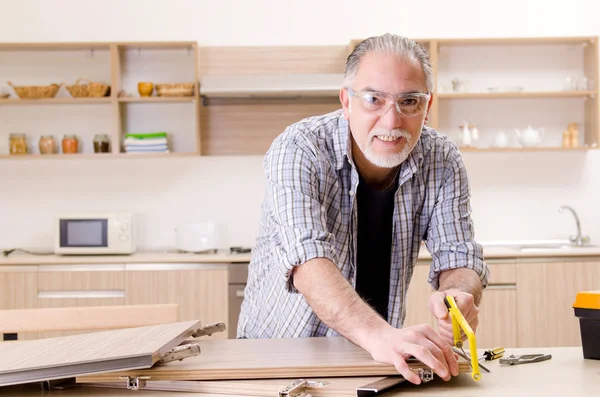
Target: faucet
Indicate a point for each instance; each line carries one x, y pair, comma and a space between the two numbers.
579, 240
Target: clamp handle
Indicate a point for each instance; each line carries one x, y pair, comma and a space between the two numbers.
458, 322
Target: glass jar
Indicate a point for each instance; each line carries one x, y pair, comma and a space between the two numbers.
101, 143
18, 144
70, 144
47, 144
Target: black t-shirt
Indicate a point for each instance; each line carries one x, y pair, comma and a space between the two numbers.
375, 212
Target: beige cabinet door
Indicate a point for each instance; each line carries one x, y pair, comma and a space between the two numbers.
498, 308
201, 290
546, 295
18, 290
79, 285
417, 298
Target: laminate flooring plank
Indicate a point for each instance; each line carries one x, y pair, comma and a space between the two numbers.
98, 352
269, 359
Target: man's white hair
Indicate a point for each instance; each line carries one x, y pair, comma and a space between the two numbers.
391, 44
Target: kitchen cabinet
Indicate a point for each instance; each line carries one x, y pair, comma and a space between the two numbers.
201, 290
18, 290
497, 316
546, 293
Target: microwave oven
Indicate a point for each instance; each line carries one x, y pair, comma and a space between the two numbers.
95, 234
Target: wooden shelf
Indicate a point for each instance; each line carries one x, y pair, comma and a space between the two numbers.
157, 99
526, 149
55, 101
60, 156
516, 94
280, 85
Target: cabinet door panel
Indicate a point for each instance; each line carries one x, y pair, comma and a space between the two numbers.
201, 294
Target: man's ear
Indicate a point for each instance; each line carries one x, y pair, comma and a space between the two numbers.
346, 103
428, 109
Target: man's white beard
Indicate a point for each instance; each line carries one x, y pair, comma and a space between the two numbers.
387, 160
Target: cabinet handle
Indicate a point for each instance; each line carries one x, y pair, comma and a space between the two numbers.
239, 293
81, 294
501, 286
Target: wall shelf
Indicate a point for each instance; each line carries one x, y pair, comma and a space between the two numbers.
516, 94
157, 99
56, 101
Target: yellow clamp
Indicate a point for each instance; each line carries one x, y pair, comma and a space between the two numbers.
458, 322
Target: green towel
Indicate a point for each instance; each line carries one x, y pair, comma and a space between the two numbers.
151, 135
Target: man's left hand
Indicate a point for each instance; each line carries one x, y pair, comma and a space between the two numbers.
466, 305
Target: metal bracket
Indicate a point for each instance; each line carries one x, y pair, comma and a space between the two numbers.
298, 388
381, 385
209, 330
178, 353
135, 382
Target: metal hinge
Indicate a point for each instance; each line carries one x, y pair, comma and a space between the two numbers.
135, 382
209, 330
178, 353
298, 388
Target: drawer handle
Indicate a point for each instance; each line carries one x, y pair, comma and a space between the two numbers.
81, 294
239, 293
501, 286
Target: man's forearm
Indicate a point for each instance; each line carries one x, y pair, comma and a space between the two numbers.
463, 279
335, 302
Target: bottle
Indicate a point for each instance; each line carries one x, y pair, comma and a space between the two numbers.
101, 143
567, 137
47, 144
18, 144
574, 135
69, 144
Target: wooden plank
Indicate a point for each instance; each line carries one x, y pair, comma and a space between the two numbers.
271, 60
250, 128
86, 318
63, 357
269, 359
521, 94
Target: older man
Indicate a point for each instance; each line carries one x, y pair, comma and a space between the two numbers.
350, 195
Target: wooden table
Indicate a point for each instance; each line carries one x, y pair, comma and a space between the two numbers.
566, 374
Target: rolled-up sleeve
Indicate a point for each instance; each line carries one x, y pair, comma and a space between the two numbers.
450, 236
296, 207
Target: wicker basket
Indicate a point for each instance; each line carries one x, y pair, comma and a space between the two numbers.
91, 89
35, 91
175, 89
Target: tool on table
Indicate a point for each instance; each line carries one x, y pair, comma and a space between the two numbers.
463, 355
387, 383
458, 322
492, 354
525, 359
298, 388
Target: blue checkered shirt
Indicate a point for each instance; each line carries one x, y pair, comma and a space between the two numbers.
309, 211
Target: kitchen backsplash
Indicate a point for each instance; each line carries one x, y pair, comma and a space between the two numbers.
515, 195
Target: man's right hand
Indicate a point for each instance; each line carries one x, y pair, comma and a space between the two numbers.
394, 346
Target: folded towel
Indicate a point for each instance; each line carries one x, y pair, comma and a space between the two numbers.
146, 148
143, 142
151, 135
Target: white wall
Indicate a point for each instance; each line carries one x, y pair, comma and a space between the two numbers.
515, 195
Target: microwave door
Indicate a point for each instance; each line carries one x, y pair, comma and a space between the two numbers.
83, 233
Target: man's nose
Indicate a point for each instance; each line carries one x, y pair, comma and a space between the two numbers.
392, 118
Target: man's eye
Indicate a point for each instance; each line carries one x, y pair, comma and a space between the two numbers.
409, 102
371, 99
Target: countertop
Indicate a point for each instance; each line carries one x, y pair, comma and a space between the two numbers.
224, 256
567, 373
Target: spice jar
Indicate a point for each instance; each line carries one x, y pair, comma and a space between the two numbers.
101, 143
69, 144
47, 144
18, 144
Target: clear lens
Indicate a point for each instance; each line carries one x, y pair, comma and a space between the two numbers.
379, 103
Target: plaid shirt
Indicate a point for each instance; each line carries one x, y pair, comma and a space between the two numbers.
309, 211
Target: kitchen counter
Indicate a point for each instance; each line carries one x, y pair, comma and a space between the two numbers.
490, 251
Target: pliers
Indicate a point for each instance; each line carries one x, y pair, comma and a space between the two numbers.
525, 359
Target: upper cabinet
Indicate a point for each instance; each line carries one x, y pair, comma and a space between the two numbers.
178, 99
102, 99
